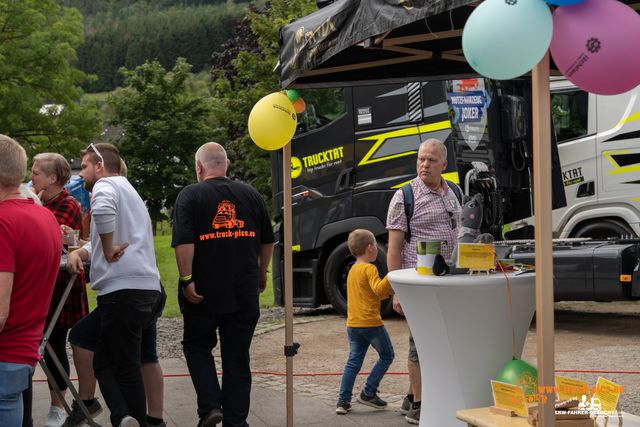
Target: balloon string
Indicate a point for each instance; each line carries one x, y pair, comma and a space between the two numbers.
428, 28
513, 332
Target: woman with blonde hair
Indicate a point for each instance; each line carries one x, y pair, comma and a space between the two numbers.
49, 174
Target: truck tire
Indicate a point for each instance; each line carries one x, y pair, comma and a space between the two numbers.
604, 228
335, 277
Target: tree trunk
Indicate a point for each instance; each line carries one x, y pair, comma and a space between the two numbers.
154, 226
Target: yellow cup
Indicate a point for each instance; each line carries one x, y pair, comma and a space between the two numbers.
427, 251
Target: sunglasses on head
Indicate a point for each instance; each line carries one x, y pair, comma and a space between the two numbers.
95, 150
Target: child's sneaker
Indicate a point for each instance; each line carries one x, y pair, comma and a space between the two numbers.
342, 407
373, 401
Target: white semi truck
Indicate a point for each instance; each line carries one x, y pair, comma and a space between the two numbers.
599, 147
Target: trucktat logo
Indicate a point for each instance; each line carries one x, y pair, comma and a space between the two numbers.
572, 176
296, 167
593, 45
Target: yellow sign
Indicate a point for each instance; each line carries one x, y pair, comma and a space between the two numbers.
510, 397
568, 388
608, 394
475, 256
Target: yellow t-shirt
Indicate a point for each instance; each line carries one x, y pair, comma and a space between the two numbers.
365, 290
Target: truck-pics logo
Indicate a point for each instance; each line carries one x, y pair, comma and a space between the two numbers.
226, 216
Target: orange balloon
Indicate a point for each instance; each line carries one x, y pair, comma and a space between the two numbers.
299, 106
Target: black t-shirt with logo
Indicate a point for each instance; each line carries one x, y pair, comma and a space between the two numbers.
227, 221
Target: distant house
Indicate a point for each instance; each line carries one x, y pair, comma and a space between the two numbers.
109, 134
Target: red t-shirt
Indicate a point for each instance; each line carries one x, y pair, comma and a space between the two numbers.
30, 247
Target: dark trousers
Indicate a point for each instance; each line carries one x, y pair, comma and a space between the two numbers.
116, 362
236, 331
58, 343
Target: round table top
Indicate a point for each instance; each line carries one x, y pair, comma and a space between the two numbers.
410, 276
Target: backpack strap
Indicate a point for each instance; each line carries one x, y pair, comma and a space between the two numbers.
455, 189
407, 192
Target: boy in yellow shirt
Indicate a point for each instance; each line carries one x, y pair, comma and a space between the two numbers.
365, 290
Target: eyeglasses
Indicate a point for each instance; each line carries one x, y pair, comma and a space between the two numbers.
453, 220
95, 150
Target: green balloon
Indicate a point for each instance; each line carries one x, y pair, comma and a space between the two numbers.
293, 95
520, 373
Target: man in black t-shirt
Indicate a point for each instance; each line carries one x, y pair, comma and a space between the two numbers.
223, 241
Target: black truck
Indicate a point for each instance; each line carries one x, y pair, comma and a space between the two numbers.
354, 147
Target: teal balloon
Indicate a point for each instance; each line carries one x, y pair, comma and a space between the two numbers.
504, 39
293, 95
520, 373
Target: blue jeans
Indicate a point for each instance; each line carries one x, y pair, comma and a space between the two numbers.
15, 379
236, 331
359, 341
116, 361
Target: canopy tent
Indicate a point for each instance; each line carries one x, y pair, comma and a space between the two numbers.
369, 42
354, 43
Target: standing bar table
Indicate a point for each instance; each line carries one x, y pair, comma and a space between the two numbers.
463, 332
44, 345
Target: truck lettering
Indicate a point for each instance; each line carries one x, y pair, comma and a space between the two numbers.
572, 176
576, 65
469, 113
323, 157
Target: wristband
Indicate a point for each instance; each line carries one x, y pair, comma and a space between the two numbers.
184, 283
265, 271
185, 278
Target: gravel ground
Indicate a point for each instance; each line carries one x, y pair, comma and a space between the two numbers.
591, 337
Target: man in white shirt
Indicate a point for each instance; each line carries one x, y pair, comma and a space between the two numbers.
129, 283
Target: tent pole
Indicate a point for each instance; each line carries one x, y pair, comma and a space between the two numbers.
288, 274
542, 184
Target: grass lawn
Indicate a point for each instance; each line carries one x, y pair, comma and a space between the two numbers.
169, 276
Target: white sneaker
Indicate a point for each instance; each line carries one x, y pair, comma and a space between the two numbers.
56, 417
129, 421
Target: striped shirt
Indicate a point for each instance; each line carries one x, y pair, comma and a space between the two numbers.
432, 214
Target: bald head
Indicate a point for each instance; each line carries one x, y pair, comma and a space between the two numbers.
211, 161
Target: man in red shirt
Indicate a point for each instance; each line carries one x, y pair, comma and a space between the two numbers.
31, 245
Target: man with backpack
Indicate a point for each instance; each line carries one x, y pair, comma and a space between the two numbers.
427, 207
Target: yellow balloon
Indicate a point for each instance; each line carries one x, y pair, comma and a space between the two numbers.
272, 122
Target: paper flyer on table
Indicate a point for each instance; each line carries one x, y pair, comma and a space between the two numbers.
510, 397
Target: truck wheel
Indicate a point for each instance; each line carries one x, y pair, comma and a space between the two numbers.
604, 228
335, 277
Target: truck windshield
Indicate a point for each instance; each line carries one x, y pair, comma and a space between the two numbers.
570, 113
323, 107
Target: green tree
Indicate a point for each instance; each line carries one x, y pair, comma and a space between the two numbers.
162, 129
243, 74
37, 40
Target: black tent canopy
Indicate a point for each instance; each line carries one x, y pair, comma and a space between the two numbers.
365, 42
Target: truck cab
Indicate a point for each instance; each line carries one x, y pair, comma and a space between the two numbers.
355, 147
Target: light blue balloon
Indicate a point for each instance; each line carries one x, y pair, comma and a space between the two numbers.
504, 39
